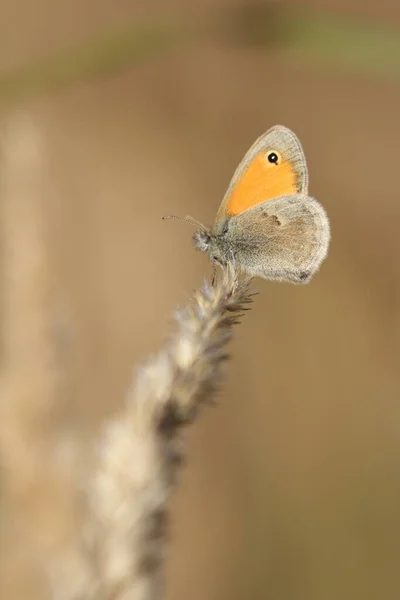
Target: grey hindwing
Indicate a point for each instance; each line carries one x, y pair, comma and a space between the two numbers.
285, 239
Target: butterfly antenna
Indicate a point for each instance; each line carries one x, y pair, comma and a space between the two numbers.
187, 219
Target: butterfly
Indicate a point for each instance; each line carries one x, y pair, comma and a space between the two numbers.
267, 225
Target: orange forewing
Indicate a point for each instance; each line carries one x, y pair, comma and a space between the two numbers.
259, 182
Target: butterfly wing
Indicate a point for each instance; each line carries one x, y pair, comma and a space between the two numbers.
285, 239
258, 179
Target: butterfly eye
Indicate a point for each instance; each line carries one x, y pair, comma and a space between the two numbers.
273, 158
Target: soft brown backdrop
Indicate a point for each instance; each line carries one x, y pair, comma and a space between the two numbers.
292, 486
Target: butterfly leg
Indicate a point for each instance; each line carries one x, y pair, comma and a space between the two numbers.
213, 275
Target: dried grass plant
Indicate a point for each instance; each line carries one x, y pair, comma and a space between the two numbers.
101, 534
40, 534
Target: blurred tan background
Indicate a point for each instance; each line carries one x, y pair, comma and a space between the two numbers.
292, 484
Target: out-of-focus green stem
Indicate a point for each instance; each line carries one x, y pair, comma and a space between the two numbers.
106, 54
343, 43
317, 37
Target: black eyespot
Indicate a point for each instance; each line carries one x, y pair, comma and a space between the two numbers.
273, 158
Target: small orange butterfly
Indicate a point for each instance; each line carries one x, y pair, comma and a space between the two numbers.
267, 224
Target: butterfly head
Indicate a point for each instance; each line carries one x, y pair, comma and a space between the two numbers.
206, 240
202, 240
